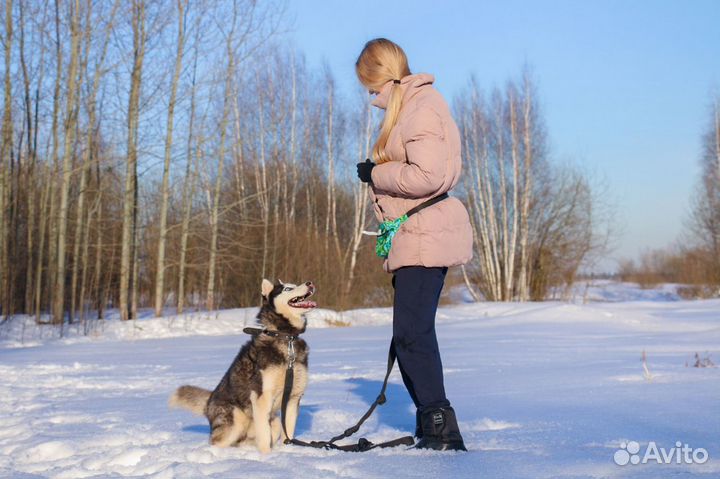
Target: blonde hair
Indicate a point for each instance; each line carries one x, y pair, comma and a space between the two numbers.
380, 62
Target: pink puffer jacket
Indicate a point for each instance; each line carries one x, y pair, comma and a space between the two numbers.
425, 161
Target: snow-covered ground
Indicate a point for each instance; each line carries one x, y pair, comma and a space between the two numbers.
541, 390
614, 291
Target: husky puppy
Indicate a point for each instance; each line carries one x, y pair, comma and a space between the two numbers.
245, 404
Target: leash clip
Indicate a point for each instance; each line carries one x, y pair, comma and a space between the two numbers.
291, 353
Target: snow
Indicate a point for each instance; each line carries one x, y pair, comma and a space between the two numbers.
541, 390
614, 291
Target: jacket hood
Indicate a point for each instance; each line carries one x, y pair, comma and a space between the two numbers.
409, 85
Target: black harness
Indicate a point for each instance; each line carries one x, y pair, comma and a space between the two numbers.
362, 444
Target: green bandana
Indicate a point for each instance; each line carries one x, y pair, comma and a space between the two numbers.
385, 235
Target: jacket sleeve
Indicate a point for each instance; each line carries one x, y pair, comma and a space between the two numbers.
426, 149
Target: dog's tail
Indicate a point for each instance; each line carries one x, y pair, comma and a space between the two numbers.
191, 398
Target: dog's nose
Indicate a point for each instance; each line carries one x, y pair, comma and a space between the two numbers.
309, 283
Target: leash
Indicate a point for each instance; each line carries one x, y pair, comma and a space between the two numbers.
362, 444
427, 203
412, 211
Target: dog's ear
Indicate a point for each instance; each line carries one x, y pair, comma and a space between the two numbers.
279, 281
267, 287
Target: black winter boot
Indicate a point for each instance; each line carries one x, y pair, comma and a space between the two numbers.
440, 430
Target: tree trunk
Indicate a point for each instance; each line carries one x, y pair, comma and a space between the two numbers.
130, 195
516, 185
73, 79
52, 216
214, 218
187, 194
31, 131
5, 161
94, 211
261, 182
97, 277
360, 201
160, 272
43, 220
526, 191
293, 159
85, 169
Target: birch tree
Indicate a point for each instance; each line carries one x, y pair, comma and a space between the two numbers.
188, 190
165, 193
534, 223
82, 219
529, 147
705, 213
360, 201
31, 121
130, 197
73, 80
331, 201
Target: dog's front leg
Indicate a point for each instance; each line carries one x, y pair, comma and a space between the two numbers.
261, 420
291, 415
276, 428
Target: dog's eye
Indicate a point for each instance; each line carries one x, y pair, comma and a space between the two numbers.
287, 289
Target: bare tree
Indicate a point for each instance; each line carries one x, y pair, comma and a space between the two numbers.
534, 223
331, 200
82, 220
705, 214
360, 197
51, 181
261, 183
188, 190
129, 233
6, 152
165, 193
530, 144
73, 80
31, 121
215, 203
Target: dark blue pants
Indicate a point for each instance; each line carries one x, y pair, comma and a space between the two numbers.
417, 293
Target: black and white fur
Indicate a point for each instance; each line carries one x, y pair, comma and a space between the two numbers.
245, 404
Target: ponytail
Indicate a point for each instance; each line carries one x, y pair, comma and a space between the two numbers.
392, 111
380, 62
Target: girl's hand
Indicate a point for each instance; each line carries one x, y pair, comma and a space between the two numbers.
364, 171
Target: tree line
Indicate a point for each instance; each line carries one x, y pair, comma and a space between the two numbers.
169, 154
694, 258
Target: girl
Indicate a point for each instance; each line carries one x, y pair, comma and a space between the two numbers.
416, 162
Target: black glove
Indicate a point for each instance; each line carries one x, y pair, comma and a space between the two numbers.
364, 171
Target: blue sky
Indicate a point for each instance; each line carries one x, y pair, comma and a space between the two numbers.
624, 85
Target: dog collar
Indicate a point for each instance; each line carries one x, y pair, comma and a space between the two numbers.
290, 338
272, 334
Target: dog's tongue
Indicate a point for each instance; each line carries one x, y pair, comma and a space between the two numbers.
305, 304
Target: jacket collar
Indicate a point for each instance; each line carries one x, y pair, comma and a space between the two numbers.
409, 85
